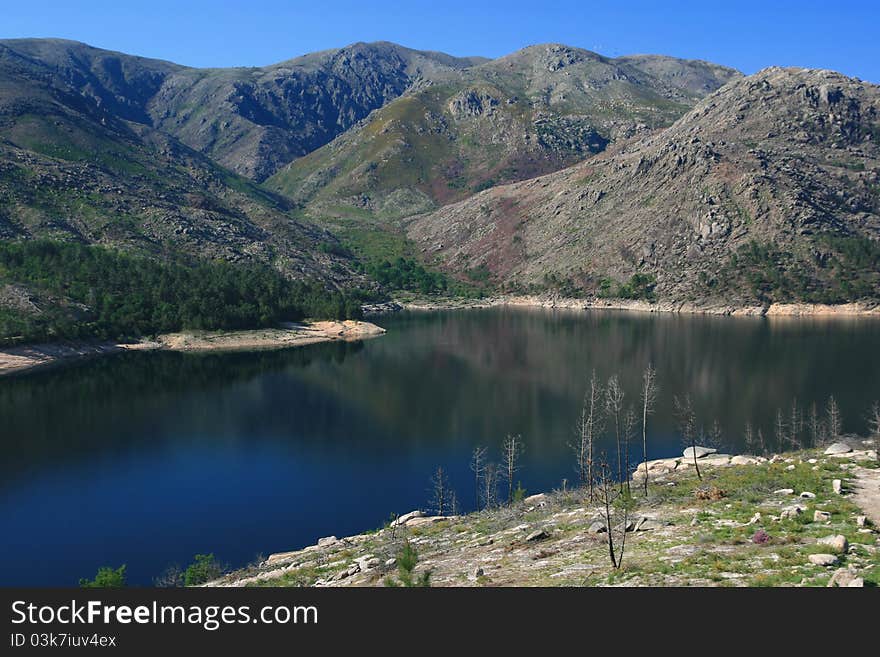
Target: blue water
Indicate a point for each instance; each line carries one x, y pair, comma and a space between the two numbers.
147, 459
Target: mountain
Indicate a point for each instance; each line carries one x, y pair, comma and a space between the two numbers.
767, 190
72, 167
538, 110
250, 120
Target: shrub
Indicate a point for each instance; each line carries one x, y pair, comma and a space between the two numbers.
203, 569
107, 578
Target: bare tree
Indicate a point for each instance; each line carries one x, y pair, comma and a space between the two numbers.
614, 396
780, 429
440, 492
762, 441
816, 429
478, 467
716, 435
649, 397
615, 504
591, 426
874, 426
749, 438
874, 419
454, 508
687, 425
629, 435
512, 450
835, 424
491, 474
795, 425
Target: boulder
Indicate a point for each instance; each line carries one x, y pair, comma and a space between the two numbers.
837, 486
743, 460
823, 559
784, 491
649, 525
367, 562
327, 540
808, 495
700, 452
821, 516
537, 500
861, 521
406, 517
717, 460
845, 578
837, 448
597, 527
418, 521
791, 511
836, 542
538, 535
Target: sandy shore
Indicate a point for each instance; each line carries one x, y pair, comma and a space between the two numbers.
15, 360
773, 310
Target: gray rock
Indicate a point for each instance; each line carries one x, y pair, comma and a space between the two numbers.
823, 559
537, 500
406, 517
327, 540
837, 486
367, 562
597, 528
821, 516
845, 578
861, 521
838, 448
791, 511
784, 491
808, 495
836, 542
538, 535
649, 525
700, 451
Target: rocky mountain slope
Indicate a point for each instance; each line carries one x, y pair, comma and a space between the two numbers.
71, 169
250, 120
768, 190
535, 111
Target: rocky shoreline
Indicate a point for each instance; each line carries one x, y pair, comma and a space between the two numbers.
775, 310
19, 360
806, 518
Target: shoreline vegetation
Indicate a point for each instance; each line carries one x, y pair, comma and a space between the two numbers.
18, 360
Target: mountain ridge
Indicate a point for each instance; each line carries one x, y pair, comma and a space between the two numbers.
765, 158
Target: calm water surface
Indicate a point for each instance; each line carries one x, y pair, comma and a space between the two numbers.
146, 459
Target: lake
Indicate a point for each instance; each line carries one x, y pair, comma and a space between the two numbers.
148, 458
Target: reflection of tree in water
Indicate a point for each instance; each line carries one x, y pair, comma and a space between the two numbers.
442, 381
90, 405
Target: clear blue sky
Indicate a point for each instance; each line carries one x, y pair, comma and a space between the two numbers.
749, 35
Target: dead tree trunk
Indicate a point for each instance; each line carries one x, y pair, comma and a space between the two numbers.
614, 405
478, 467
649, 395
512, 450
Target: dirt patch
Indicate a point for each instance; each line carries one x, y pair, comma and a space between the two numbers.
867, 492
